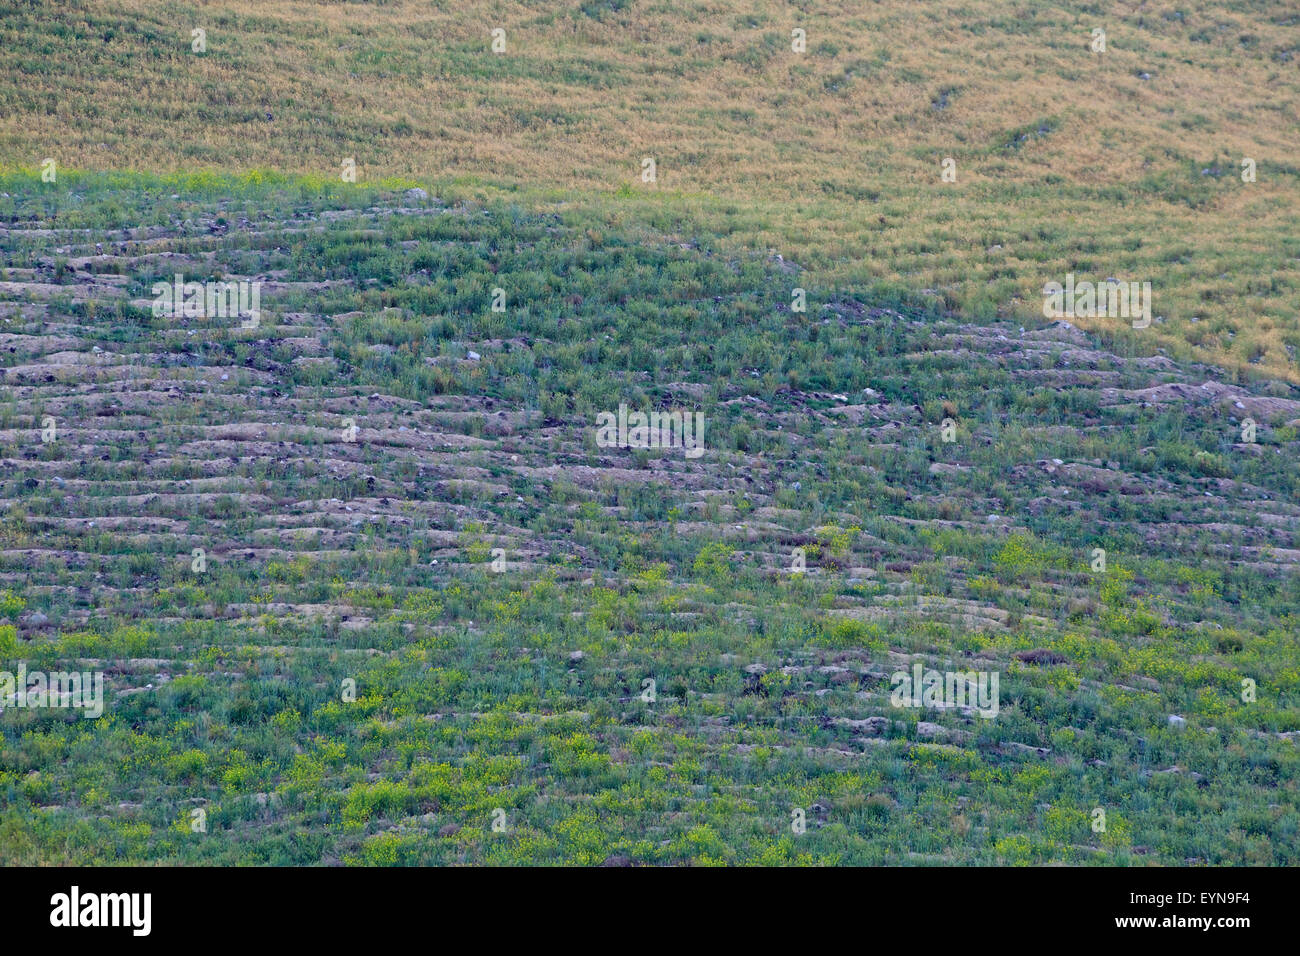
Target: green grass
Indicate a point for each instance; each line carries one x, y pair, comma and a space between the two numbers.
522, 691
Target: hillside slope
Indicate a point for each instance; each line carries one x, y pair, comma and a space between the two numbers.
1122, 163
642, 673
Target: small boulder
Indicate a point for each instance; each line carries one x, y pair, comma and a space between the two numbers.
1039, 655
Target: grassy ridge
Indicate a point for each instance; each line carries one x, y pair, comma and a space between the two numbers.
1125, 163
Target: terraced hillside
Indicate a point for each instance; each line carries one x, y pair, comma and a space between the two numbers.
569, 652
1126, 157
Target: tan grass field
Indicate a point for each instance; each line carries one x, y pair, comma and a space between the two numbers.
1125, 163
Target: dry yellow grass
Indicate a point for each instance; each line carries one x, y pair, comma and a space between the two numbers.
831, 157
